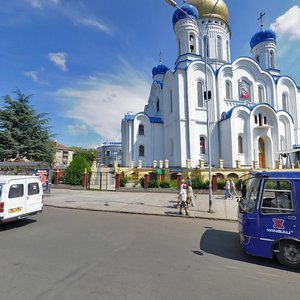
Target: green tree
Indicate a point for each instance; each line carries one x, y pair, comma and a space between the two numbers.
89, 154
24, 132
73, 173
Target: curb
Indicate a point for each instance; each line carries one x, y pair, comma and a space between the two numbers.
140, 213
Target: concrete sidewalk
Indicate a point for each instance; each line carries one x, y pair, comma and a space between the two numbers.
141, 203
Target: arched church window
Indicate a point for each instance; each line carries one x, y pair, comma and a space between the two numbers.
265, 120
284, 101
257, 58
192, 43
240, 144
259, 120
282, 142
227, 48
179, 48
244, 92
201, 102
219, 47
261, 94
141, 150
272, 60
157, 105
141, 129
228, 90
202, 145
255, 119
206, 46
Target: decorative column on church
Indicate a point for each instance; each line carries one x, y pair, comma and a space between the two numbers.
254, 164
238, 164
166, 164
140, 162
161, 164
221, 164
154, 163
188, 163
201, 164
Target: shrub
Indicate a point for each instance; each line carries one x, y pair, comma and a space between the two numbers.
221, 184
123, 180
199, 184
74, 171
173, 184
153, 184
164, 185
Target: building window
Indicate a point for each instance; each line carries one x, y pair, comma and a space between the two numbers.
265, 120
284, 101
141, 150
219, 47
202, 145
240, 144
272, 60
192, 43
227, 47
259, 120
157, 105
141, 129
257, 58
206, 46
200, 94
260, 94
255, 119
228, 90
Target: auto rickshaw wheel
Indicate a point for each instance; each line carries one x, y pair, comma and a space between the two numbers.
289, 254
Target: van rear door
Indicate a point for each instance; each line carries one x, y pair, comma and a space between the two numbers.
14, 204
34, 201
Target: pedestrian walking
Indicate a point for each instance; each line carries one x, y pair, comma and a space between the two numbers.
233, 188
183, 203
178, 195
190, 195
227, 189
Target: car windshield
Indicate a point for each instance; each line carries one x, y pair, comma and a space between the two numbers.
249, 203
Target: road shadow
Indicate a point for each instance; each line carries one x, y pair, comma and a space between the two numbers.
16, 224
226, 244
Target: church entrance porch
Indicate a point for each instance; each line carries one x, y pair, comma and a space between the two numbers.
261, 154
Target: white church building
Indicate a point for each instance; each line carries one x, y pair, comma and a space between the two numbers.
253, 111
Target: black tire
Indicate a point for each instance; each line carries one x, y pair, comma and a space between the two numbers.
289, 254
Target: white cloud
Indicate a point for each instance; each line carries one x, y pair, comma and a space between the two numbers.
288, 24
100, 102
78, 130
41, 3
59, 59
32, 74
91, 22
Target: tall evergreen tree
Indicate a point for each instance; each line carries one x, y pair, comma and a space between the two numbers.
24, 132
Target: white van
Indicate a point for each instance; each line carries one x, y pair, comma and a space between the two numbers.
20, 196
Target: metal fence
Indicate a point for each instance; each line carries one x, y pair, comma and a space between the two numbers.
103, 181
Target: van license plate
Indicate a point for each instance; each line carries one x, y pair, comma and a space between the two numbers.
13, 210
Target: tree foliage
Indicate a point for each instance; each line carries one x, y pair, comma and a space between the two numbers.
73, 173
89, 154
23, 131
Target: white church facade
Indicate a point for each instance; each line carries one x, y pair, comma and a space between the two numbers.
253, 111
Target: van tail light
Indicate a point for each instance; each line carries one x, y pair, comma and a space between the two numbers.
1, 207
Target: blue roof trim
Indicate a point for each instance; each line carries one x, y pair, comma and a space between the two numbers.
156, 120
160, 83
227, 115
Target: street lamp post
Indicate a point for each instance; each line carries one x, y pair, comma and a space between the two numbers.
205, 38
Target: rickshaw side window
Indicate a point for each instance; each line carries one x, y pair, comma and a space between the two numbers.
251, 197
277, 197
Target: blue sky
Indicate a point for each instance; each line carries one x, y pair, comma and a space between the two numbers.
88, 62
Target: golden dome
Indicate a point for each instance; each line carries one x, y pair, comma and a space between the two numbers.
206, 9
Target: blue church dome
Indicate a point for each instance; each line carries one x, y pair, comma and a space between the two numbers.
189, 9
160, 69
262, 36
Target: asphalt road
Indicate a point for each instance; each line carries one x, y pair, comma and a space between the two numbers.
70, 254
